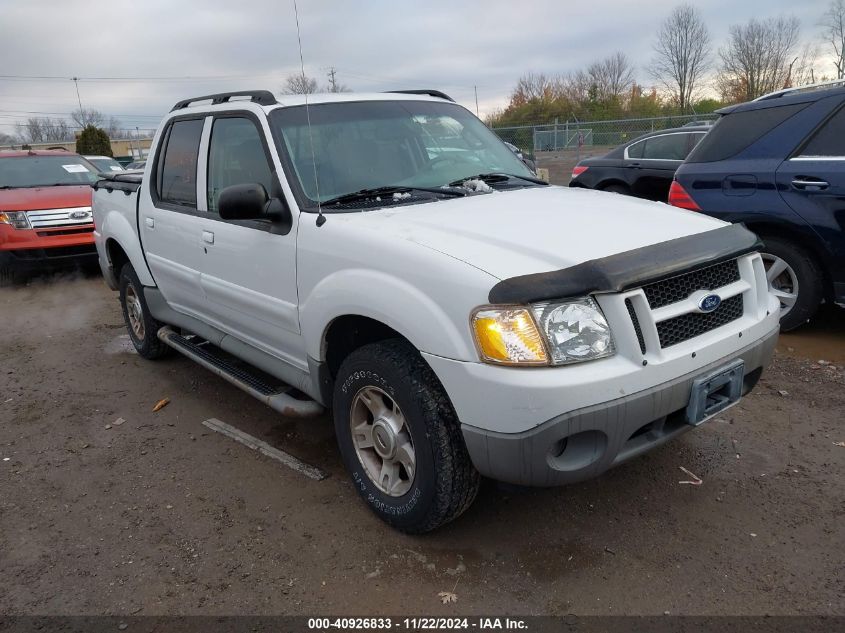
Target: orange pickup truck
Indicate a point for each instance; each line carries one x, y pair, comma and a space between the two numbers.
45, 212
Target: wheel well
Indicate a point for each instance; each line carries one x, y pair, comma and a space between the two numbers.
807, 244
613, 183
347, 333
117, 256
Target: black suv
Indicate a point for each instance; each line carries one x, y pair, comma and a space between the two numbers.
643, 167
777, 164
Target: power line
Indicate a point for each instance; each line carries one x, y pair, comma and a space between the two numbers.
132, 79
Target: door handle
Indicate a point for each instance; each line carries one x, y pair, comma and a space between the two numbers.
208, 237
804, 183
150, 222
634, 165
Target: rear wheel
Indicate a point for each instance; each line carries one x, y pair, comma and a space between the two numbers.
794, 278
142, 327
400, 438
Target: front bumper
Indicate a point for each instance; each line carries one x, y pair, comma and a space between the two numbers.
584, 443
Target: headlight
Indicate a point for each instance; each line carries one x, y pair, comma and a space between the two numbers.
17, 219
575, 330
508, 335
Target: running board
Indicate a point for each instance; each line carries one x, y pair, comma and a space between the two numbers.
276, 396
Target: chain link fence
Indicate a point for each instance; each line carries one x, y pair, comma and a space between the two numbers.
556, 136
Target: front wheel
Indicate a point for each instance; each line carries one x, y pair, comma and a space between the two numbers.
400, 438
794, 278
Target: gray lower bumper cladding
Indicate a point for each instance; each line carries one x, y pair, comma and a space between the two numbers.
584, 443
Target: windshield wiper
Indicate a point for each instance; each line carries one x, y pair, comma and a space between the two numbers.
497, 177
366, 194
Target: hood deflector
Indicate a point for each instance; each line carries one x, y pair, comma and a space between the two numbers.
630, 269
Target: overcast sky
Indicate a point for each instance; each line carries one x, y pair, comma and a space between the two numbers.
374, 45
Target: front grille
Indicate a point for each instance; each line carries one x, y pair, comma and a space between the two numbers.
687, 326
674, 289
74, 231
59, 217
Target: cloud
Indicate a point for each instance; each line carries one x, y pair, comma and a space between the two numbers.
456, 47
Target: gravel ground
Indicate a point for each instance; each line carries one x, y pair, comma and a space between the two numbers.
159, 515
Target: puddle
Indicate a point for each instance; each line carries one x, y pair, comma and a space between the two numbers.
823, 338
120, 345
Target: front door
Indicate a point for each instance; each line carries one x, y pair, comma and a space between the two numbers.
248, 273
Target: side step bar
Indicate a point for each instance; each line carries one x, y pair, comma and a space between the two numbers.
276, 397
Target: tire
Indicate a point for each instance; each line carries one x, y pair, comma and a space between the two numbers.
798, 305
396, 381
142, 327
8, 276
625, 191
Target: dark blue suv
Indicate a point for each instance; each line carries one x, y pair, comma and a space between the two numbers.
778, 165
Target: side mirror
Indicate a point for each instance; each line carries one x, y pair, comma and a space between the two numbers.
251, 202
242, 202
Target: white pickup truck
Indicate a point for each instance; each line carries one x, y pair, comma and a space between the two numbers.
387, 257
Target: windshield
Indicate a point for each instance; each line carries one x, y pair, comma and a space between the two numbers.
105, 164
46, 171
370, 144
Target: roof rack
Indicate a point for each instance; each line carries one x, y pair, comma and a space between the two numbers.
430, 93
261, 97
809, 87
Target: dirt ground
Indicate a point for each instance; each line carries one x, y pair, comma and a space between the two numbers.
160, 515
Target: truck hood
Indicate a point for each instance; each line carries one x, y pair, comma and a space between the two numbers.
36, 198
536, 230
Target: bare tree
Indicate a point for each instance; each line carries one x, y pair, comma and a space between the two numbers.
536, 87
833, 23
83, 117
114, 128
44, 130
6, 139
299, 84
682, 53
757, 57
609, 78
803, 67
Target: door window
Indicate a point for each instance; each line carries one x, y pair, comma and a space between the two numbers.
829, 140
236, 156
177, 182
666, 147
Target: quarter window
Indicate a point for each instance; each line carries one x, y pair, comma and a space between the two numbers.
636, 150
235, 157
829, 140
177, 183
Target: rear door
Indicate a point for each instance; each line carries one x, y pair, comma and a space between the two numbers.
168, 221
656, 159
248, 272
812, 183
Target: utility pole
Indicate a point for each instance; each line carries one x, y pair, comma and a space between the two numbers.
76, 83
476, 101
332, 80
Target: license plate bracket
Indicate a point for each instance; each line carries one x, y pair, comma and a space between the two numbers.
715, 392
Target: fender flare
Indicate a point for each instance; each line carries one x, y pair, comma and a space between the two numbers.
397, 304
115, 227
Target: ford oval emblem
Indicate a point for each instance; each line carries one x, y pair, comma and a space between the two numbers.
79, 215
708, 303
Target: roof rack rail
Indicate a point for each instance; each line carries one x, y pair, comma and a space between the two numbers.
786, 91
261, 97
430, 93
